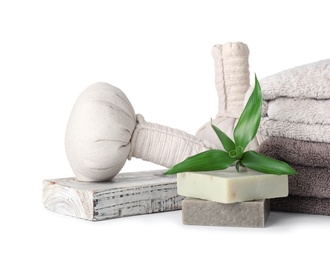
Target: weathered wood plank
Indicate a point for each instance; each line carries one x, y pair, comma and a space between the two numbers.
127, 194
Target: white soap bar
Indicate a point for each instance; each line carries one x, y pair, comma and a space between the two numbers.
230, 186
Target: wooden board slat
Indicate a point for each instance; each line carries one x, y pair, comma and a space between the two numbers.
128, 194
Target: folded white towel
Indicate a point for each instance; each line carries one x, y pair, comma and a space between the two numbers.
305, 111
306, 81
297, 131
296, 103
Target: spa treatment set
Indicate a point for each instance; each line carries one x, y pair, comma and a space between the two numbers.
268, 148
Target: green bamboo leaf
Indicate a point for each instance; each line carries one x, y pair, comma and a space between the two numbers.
249, 121
210, 160
261, 163
227, 143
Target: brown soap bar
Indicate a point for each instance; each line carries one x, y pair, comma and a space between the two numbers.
240, 214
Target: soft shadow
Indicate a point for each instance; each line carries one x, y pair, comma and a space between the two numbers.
288, 220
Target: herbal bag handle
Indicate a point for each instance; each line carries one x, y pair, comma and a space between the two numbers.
164, 145
103, 131
232, 81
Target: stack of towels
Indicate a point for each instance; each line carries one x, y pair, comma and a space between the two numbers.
296, 118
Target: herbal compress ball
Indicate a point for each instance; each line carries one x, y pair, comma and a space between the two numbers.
103, 132
232, 81
98, 134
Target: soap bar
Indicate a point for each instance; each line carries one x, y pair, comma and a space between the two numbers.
230, 186
209, 213
128, 194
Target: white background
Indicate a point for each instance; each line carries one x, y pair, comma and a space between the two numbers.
159, 54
